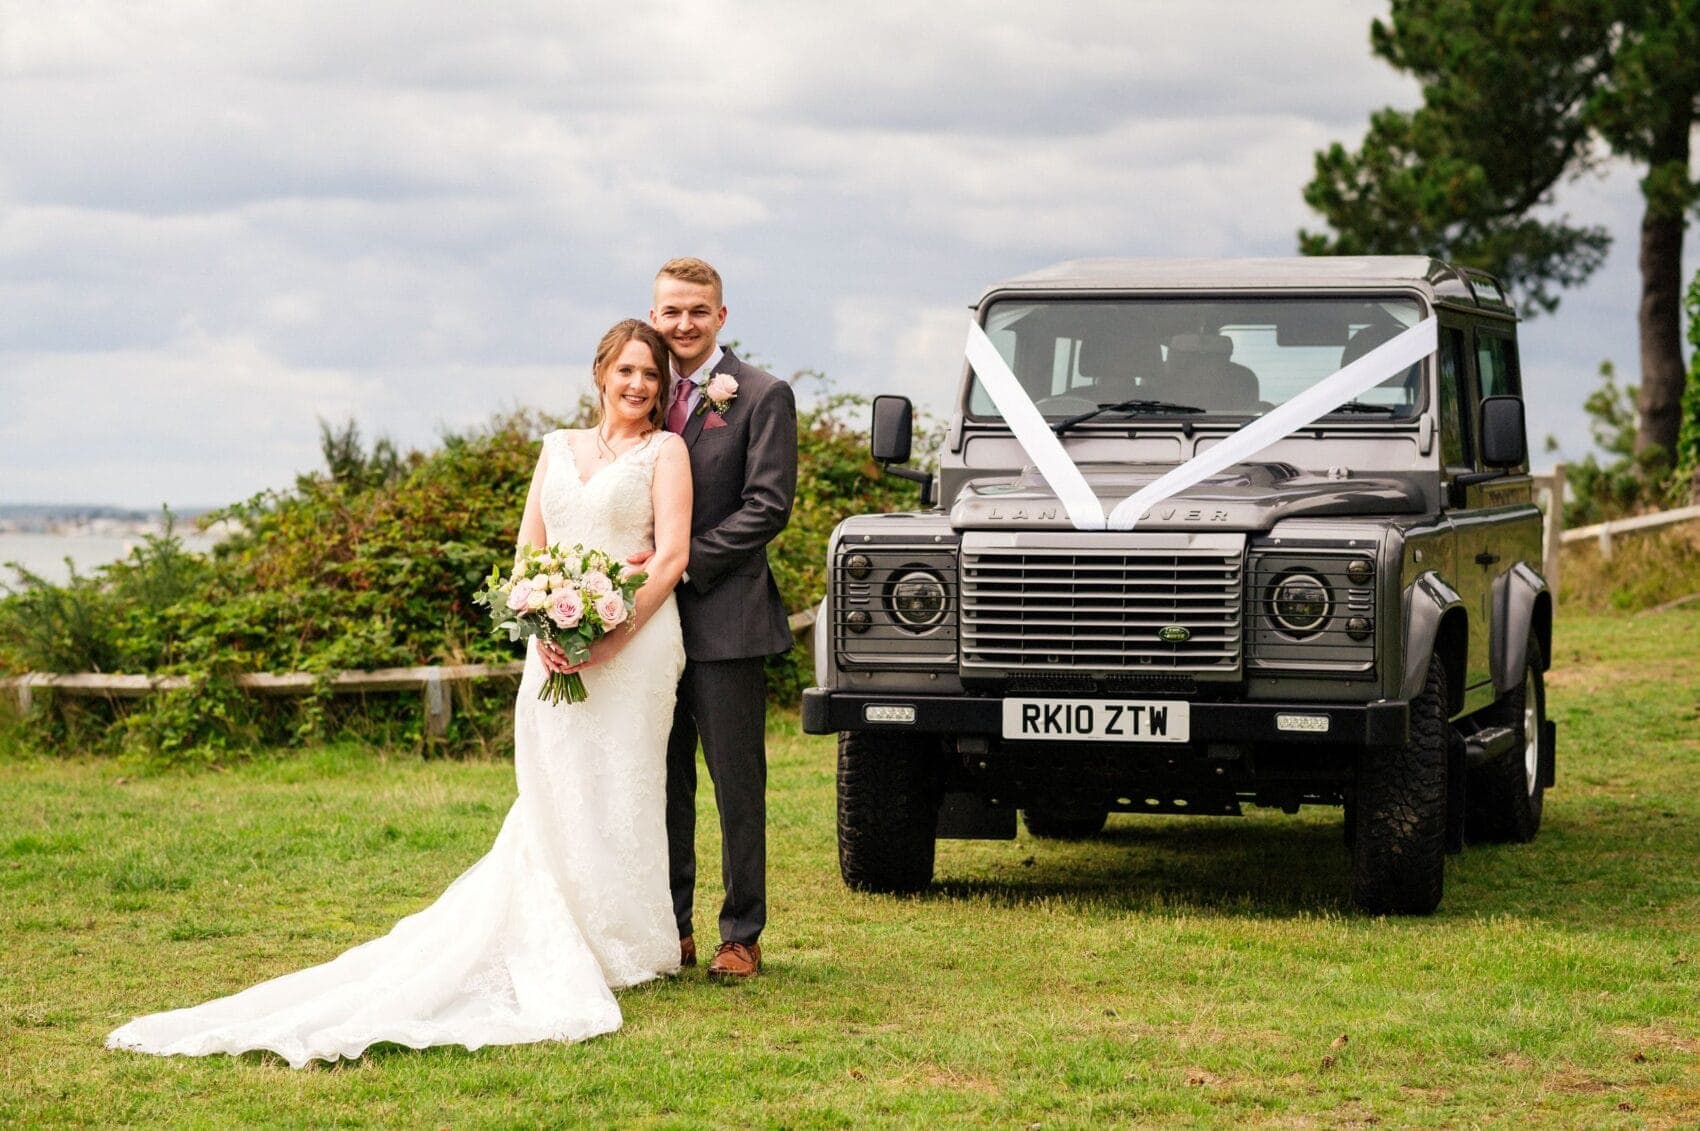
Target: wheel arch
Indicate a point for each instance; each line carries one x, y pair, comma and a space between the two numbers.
1436, 623
1523, 608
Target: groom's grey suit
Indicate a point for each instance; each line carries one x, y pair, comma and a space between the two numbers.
744, 477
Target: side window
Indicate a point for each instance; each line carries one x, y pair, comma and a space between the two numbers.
1496, 365
1456, 448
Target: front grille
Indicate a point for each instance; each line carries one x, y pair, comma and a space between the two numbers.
1085, 603
1042, 683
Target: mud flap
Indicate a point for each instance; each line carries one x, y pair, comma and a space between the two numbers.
1547, 767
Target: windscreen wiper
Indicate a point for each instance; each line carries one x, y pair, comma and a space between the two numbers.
1365, 406
1129, 408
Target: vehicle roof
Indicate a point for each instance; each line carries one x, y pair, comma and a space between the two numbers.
1435, 278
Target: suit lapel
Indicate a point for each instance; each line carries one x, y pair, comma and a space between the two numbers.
693, 424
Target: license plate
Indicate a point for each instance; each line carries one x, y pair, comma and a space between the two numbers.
1097, 720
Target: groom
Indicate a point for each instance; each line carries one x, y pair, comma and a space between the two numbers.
740, 426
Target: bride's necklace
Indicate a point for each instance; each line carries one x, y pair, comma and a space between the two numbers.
607, 452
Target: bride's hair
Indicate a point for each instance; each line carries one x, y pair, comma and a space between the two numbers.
632, 330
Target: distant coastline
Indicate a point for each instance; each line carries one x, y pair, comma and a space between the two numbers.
96, 520
40, 537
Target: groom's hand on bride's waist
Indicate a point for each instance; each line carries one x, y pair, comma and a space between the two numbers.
637, 560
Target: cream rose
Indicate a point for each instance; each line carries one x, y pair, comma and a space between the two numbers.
611, 608
720, 388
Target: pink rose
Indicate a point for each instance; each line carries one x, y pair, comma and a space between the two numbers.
612, 609
520, 596
566, 609
720, 388
596, 584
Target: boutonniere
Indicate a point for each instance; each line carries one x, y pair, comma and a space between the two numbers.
717, 394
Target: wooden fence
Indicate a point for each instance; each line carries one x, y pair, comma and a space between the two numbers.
433, 683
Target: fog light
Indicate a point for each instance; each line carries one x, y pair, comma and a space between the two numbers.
1360, 570
858, 566
858, 621
1307, 724
887, 713
1359, 628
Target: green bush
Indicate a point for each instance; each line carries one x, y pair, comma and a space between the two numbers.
368, 564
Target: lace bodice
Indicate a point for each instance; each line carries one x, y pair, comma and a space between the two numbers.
612, 511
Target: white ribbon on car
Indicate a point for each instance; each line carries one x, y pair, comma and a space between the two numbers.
1042, 445
1084, 509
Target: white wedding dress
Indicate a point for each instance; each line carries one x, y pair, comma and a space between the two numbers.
572, 900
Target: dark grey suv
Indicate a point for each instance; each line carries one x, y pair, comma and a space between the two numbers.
1351, 615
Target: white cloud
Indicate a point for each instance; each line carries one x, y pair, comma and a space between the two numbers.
418, 213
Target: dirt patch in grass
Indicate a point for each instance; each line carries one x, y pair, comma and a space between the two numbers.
1660, 1037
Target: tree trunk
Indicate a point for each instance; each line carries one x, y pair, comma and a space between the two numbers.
1663, 374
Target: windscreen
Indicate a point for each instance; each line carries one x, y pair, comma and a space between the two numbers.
1236, 357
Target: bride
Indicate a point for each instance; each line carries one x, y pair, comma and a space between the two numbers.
572, 900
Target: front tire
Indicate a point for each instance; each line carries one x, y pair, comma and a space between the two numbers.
1506, 795
888, 811
1399, 846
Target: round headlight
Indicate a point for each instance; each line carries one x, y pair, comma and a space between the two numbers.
1299, 603
918, 600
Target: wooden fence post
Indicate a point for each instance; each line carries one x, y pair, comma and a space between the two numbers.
438, 706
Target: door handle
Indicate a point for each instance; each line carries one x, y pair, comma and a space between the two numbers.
1486, 557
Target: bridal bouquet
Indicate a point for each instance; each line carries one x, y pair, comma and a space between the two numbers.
571, 598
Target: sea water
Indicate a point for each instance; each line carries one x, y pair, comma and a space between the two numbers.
45, 554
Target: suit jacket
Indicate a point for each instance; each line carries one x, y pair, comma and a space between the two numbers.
743, 481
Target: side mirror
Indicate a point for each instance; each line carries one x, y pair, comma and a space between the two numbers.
892, 436
894, 428
1505, 442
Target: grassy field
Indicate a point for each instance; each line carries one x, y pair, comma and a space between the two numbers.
1173, 972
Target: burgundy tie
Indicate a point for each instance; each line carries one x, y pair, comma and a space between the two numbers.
676, 414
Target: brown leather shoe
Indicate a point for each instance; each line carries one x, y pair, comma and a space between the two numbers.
735, 961
688, 951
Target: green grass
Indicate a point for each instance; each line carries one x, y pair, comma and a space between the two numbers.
1174, 972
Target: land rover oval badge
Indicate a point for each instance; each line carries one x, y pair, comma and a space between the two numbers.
1174, 634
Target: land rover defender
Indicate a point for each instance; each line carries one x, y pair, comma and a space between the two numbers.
1354, 615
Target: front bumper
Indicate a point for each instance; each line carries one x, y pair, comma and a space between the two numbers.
1383, 723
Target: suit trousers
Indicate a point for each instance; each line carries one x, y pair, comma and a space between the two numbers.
724, 702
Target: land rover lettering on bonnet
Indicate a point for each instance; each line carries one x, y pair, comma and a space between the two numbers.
1203, 535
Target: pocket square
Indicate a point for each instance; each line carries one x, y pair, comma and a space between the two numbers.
714, 420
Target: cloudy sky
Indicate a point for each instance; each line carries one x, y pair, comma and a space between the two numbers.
222, 222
